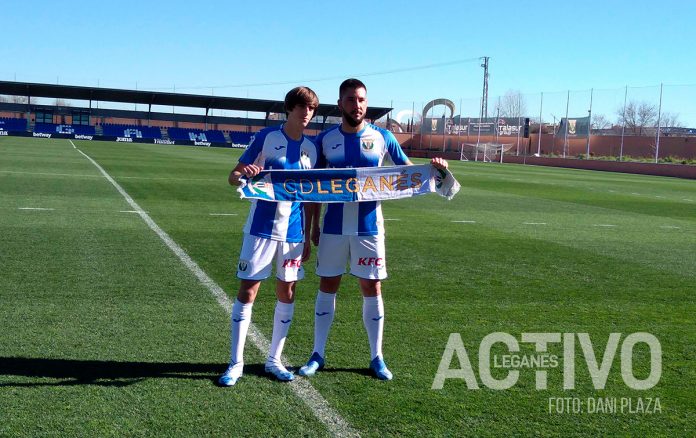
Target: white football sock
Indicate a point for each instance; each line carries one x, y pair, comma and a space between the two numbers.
324, 310
239, 326
373, 318
281, 325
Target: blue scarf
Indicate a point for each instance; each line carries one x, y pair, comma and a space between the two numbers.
349, 185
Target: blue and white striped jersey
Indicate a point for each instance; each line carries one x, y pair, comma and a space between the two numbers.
367, 148
272, 149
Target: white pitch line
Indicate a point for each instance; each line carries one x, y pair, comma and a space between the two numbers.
223, 214
127, 211
604, 225
464, 222
321, 409
50, 174
689, 200
392, 219
166, 178
36, 208
670, 227
534, 223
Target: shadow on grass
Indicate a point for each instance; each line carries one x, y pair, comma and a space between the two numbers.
359, 371
109, 373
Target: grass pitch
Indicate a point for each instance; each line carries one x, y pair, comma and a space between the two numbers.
105, 332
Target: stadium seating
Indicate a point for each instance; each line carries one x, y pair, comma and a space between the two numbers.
11, 124
241, 138
51, 128
196, 135
131, 131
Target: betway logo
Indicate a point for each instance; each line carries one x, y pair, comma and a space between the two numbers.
125, 139
292, 263
158, 141
201, 143
42, 135
3, 132
83, 137
370, 261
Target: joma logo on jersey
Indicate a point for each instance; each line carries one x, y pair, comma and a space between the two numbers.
367, 145
371, 261
292, 263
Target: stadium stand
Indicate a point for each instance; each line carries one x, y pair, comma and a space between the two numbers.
11, 124
51, 128
131, 131
240, 138
212, 136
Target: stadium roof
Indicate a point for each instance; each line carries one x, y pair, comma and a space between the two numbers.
165, 99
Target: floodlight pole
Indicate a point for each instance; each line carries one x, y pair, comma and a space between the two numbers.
659, 119
589, 124
565, 126
484, 101
541, 107
623, 124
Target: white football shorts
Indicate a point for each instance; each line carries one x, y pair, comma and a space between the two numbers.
257, 256
366, 254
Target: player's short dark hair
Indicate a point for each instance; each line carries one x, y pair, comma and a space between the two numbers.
300, 96
350, 84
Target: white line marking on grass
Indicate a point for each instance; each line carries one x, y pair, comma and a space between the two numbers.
637, 194
36, 208
392, 219
604, 225
534, 223
50, 174
659, 197
127, 211
464, 222
223, 214
321, 409
669, 227
167, 178
688, 200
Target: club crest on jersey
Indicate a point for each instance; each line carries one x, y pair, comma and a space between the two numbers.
305, 163
367, 145
243, 265
439, 179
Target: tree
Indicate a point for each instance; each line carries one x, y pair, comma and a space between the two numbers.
637, 116
512, 104
670, 120
600, 121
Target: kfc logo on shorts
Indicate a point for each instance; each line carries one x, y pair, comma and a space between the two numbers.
243, 265
292, 263
371, 261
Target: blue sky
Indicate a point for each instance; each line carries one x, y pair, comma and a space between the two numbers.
230, 48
